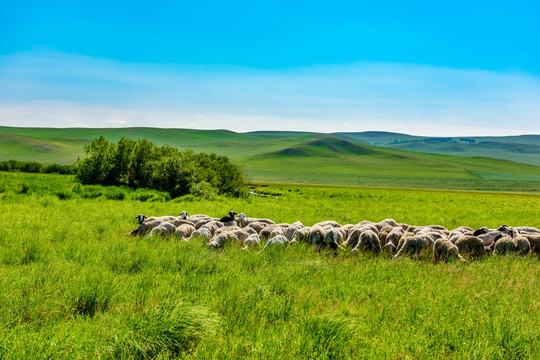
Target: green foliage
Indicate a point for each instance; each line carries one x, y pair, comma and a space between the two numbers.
35, 167
142, 164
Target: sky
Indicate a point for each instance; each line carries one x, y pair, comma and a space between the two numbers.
418, 67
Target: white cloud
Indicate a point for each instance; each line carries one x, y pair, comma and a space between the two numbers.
44, 89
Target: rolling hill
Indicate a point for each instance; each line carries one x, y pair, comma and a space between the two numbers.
523, 148
304, 157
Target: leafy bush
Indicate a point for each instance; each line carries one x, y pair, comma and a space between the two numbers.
141, 164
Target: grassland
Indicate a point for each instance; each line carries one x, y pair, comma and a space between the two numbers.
292, 157
73, 286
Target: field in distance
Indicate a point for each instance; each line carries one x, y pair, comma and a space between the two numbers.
74, 286
301, 157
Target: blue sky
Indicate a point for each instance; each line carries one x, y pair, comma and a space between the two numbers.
418, 67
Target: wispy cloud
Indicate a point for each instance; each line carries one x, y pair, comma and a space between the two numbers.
45, 89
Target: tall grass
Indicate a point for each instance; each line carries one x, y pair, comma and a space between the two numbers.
74, 286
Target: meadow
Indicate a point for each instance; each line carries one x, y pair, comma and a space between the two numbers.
313, 158
74, 286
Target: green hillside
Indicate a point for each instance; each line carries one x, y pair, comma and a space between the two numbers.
523, 148
303, 157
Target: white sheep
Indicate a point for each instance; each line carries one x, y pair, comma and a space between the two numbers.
445, 250
201, 233
292, 229
252, 240
163, 229
184, 231
235, 234
368, 240
276, 241
415, 244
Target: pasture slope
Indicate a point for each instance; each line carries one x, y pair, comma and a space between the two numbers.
297, 157
75, 287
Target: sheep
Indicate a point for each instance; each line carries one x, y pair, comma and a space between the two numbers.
455, 234
183, 215
163, 229
202, 222
268, 230
504, 246
292, 229
161, 218
257, 226
328, 223
218, 240
389, 248
383, 233
415, 244
368, 240
144, 227
394, 235
527, 229
184, 231
402, 239
277, 241
508, 231
333, 238
383, 223
244, 221
251, 241
444, 250
534, 241
354, 234
316, 234
278, 230
302, 235
201, 233
228, 220
470, 245
522, 244
213, 226
491, 237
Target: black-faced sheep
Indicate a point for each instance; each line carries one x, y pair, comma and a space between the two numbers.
470, 245
444, 250
144, 228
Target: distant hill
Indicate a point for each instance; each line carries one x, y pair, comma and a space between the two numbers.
523, 148
304, 157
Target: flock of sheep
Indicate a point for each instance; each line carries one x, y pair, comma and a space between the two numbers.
386, 236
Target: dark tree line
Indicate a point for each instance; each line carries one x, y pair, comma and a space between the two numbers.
35, 167
143, 164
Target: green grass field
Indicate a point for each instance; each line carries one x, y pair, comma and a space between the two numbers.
293, 157
75, 287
